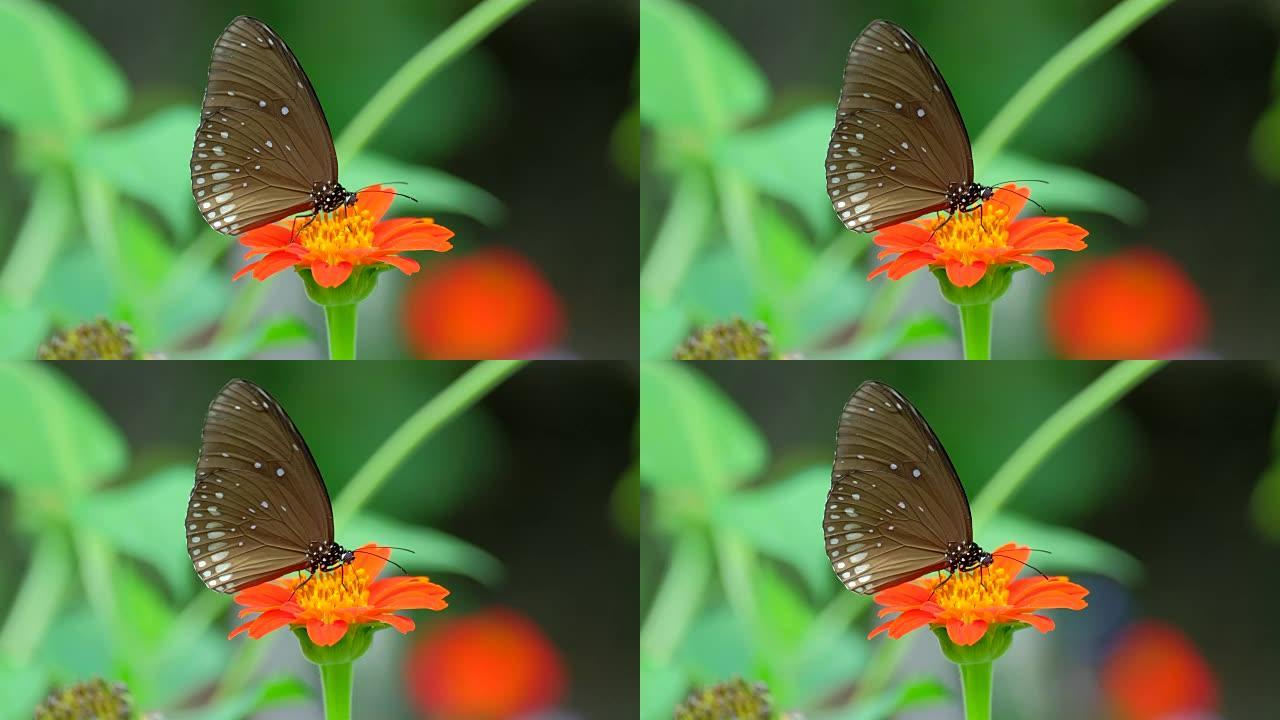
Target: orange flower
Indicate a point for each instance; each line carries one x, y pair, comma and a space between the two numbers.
970, 602
331, 602
331, 244
1154, 672
969, 243
1136, 304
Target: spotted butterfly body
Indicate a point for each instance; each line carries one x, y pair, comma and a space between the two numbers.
899, 148
259, 508
896, 509
263, 150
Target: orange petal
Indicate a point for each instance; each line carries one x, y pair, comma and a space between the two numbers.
412, 234
1044, 266
903, 624
903, 236
1052, 233
1039, 622
408, 593
1011, 558
907, 263
962, 275
906, 594
330, 276
274, 263
326, 634
266, 595
1012, 197
405, 265
263, 624
399, 622
372, 558
268, 237
376, 200
962, 633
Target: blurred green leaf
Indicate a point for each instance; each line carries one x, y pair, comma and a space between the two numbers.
57, 78
22, 329
662, 687
76, 647
23, 685
696, 77
141, 520
694, 436
1264, 505
1068, 188
624, 143
275, 691
436, 191
76, 290
51, 435
912, 693
922, 329
778, 520
716, 647
825, 663
271, 334
433, 551
1071, 550
148, 161
1265, 144
662, 328
785, 160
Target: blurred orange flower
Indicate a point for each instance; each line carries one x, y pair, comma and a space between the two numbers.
1154, 672
332, 244
331, 602
970, 602
1136, 304
493, 665
967, 244
490, 304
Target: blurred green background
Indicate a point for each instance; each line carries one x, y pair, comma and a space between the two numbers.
521, 507
519, 145
1166, 507
1147, 147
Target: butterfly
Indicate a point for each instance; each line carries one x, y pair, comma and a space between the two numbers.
259, 508
899, 149
896, 509
263, 150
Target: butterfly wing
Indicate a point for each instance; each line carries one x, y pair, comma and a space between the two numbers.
263, 140
899, 141
259, 500
896, 501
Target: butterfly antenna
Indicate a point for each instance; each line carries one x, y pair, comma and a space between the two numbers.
393, 562
1024, 563
1024, 197
368, 188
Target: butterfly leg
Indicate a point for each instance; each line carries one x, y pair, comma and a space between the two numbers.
310, 219
298, 587
944, 224
938, 587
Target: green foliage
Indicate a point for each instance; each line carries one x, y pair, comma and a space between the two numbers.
58, 78
432, 550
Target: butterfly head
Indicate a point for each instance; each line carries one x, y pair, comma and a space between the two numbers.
963, 197
967, 557
328, 556
329, 196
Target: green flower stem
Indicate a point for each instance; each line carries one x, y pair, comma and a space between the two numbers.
336, 682
1099, 37
239, 314
459, 37
975, 329
341, 323
737, 211
676, 244
975, 683
1090, 402
38, 598
678, 597
39, 238
437, 412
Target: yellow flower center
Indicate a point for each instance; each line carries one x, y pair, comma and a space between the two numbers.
967, 594
327, 592
965, 234
332, 235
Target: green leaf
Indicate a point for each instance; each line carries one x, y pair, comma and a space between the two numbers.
57, 78
1265, 144
912, 693
696, 77
23, 686
275, 691
662, 687
22, 329
1071, 550
433, 551
148, 161
778, 521
143, 518
1068, 188
694, 436
662, 328
53, 436
76, 646
77, 291
273, 333
921, 329
436, 191
785, 160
